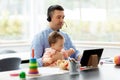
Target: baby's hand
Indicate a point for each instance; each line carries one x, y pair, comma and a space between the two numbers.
70, 51
57, 56
48, 60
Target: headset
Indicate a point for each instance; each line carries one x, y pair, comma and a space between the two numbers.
51, 9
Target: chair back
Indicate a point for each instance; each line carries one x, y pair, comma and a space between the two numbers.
12, 63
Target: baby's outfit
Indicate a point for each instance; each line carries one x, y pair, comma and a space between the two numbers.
49, 53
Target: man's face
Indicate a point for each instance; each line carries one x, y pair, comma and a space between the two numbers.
57, 19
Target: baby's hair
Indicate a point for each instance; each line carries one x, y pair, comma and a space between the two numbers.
53, 37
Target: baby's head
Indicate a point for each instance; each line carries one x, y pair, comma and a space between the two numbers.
56, 40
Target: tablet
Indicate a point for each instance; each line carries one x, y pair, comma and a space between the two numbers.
87, 53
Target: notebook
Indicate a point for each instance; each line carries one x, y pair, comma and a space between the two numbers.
90, 58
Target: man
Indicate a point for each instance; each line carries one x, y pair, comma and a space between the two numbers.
55, 18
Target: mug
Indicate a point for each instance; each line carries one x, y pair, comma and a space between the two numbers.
74, 67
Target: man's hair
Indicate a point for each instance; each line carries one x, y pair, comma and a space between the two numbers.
53, 37
51, 9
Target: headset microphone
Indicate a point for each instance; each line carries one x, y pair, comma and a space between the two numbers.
65, 24
68, 27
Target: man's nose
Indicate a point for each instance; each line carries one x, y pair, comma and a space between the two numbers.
61, 20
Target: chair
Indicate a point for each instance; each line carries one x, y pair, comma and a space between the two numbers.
12, 63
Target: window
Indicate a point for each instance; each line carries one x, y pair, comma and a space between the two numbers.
13, 20
90, 20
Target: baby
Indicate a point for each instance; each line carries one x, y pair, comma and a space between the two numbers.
56, 42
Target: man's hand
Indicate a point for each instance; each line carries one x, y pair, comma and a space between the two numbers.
79, 57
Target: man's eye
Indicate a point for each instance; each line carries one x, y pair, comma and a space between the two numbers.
58, 17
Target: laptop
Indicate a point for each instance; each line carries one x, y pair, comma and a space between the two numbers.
90, 58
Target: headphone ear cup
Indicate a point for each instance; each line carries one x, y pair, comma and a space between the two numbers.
49, 19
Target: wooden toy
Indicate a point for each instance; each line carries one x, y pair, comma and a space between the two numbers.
33, 66
63, 64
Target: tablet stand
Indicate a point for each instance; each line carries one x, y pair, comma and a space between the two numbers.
93, 61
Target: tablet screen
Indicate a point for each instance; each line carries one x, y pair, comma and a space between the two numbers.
87, 53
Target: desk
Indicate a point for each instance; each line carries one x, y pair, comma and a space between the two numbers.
43, 71
104, 72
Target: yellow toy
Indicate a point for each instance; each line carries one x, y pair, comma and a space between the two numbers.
63, 64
